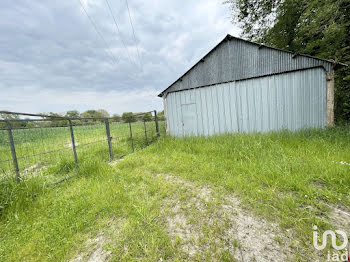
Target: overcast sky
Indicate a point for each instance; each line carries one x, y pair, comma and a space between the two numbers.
52, 59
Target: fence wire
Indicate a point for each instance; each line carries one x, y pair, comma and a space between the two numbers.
28, 145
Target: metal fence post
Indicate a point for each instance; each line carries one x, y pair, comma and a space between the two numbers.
109, 140
144, 124
73, 142
132, 140
156, 121
13, 151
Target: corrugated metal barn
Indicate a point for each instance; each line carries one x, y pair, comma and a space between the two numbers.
241, 86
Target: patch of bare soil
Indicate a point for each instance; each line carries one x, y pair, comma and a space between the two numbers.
201, 222
258, 239
95, 250
97, 253
340, 218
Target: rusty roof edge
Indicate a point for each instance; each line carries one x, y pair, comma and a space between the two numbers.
287, 51
252, 77
228, 36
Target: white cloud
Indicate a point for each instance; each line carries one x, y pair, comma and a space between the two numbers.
51, 59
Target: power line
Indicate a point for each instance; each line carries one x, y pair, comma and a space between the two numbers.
116, 25
133, 32
114, 59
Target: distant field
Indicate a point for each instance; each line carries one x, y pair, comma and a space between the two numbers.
42, 146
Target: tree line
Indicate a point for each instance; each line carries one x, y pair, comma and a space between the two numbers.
126, 117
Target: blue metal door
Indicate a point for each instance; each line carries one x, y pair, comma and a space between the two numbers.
189, 119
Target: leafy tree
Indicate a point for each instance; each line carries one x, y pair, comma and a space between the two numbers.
161, 116
88, 114
315, 27
95, 113
128, 117
147, 117
9, 117
56, 122
116, 118
103, 113
54, 114
73, 114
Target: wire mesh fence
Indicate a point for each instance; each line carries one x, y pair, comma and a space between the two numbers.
38, 141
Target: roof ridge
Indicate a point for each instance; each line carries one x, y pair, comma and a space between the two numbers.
229, 37
283, 50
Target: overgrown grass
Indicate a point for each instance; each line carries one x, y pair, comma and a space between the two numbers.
53, 223
285, 177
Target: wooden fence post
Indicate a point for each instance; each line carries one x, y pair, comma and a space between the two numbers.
109, 140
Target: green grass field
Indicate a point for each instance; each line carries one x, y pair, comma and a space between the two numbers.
43, 146
172, 201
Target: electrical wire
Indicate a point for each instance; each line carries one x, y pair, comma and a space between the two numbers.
118, 30
133, 32
114, 59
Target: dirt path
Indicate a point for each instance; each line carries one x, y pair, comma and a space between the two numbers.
204, 222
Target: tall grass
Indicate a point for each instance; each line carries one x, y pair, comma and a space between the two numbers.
45, 170
289, 177
286, 177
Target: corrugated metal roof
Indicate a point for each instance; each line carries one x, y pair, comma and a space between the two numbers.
236, 59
